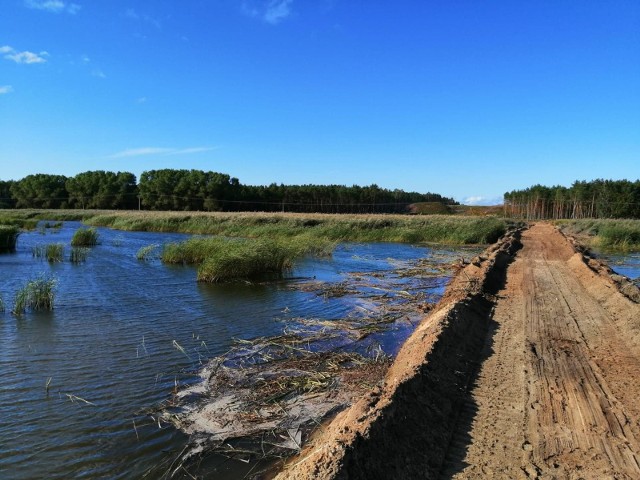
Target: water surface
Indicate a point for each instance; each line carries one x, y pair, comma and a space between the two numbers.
123, 334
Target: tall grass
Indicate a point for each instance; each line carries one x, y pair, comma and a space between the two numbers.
36, 295
8, 238
359, 228
222, 259
148, 252
85, 237
604, 233
79, 254
247, 260
53, 252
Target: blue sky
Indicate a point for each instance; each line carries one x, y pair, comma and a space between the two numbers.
466, 99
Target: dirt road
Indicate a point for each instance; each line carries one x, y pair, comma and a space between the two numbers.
530, 368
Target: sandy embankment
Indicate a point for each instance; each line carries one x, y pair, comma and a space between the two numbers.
527, 368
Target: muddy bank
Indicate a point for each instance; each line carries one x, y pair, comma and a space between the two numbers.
519, 372
403, 429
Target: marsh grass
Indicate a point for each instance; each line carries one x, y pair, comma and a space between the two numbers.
249, 260
36, 295
147, 253
8, 238
79, 254
52, 252
227, 259
85, 237
604, 233
458, 230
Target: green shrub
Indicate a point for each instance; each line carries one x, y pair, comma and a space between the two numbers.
85, 237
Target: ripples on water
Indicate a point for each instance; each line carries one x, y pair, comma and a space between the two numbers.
110, 341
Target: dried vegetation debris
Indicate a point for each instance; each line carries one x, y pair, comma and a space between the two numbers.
270, 393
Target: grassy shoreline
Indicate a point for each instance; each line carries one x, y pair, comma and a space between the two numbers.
447, 229
620, 235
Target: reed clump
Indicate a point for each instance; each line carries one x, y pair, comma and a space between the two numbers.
247, 260
52, 252
228, 259
148, 252
8, 238
85, 237
36, 295
79, 254
606, 233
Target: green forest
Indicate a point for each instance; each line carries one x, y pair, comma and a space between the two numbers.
594, 199
196, 190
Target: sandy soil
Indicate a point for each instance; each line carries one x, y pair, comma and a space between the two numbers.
528, 368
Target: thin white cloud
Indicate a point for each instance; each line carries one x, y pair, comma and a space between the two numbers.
96, 72
5, 89
270, 11
133, 15
277, 10
141, 100
482, 200
53, 6
138, 152
186, 151
27, 57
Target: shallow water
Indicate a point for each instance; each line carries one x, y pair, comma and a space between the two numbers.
122, 335
627, 264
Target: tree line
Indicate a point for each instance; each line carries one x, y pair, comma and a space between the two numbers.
594, 199
197, 190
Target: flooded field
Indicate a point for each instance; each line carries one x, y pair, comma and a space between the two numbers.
79, 385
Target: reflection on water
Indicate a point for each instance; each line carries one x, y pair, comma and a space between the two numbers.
123, 334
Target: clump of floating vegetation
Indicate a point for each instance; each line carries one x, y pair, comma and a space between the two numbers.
85, 237
8, 237
79, 254
222, 260
36, 295
148, 252
606, 233
52, 252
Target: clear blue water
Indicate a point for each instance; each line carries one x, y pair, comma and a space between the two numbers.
111, 341
627, 264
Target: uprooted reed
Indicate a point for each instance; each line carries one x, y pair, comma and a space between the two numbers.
85, 237
221, 259
8, 237
52, 252
36, 295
